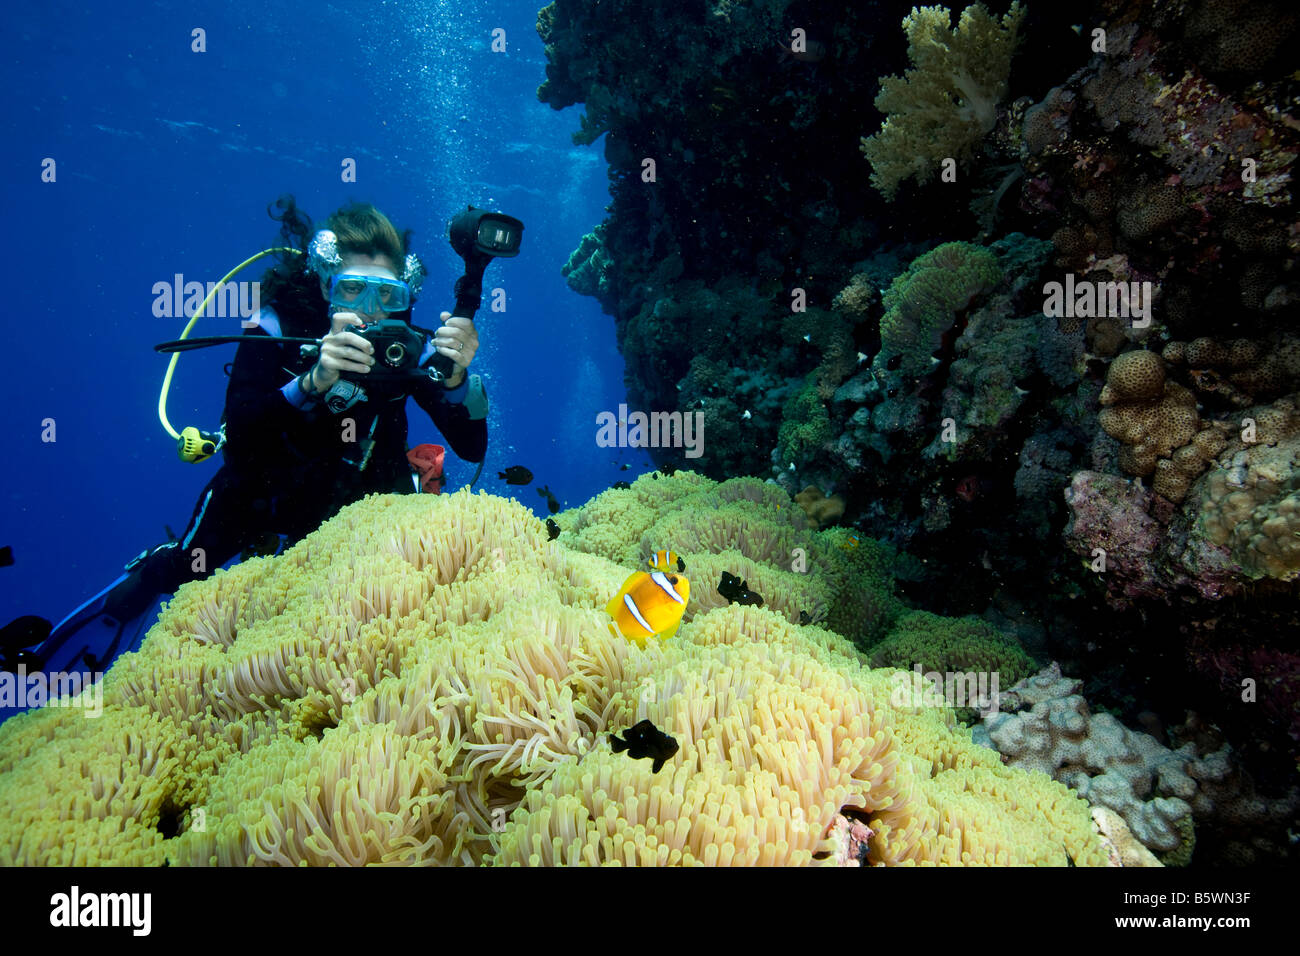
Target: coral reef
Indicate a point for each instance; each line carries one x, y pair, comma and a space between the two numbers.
751, 529
805, 426
591, 270
951, 645
819, 509
945, 104
1122, 847
432, 682
1158, 792
922, 304
1157, 422
758, 283
1237, 523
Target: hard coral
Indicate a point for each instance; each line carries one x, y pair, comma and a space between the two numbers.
1105, 762
1158, 791
1249, 501
1152, 417
946, 103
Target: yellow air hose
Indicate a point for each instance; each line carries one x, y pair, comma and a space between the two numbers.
192, 444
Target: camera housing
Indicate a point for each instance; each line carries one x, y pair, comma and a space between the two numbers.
398, 348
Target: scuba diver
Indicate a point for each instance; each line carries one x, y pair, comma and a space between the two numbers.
307, 428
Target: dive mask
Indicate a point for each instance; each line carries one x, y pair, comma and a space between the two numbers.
369, 294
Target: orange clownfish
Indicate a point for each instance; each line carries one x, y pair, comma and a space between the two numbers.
649, 603
664, 561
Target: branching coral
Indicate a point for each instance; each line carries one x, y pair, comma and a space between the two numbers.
947, 102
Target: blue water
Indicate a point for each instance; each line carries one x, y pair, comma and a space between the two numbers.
166, 161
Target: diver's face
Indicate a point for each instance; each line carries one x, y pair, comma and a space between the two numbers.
363, 265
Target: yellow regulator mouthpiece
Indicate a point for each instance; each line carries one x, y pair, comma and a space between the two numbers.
195, 446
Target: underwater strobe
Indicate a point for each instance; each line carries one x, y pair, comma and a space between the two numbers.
478, 237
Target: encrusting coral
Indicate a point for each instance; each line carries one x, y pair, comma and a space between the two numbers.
947, 102
431, 681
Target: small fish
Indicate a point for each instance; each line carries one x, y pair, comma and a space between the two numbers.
747, 415
849, 543
645, 740
861, 358
624, 467
664, 560
7, 556
807, 338
621, 485
811, 51
516, 475
1069, 860
551, 503
668, 470
552, 529
805, 617
737, 591
649, 604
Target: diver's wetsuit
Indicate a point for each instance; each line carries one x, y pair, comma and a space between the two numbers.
287, 466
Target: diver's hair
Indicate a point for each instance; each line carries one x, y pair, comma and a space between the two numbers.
287, 276
360, 227
364, 230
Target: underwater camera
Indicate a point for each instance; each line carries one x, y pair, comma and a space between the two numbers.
398, 348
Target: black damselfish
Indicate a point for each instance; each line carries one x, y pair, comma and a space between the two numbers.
737, 591
551, 503
6, 556
516, 475
552, 529
645, 740
623, 485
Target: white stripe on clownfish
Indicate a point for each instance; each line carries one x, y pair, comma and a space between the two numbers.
636, 613
658, 578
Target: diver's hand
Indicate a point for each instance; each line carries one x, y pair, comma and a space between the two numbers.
458, 340
341, 351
